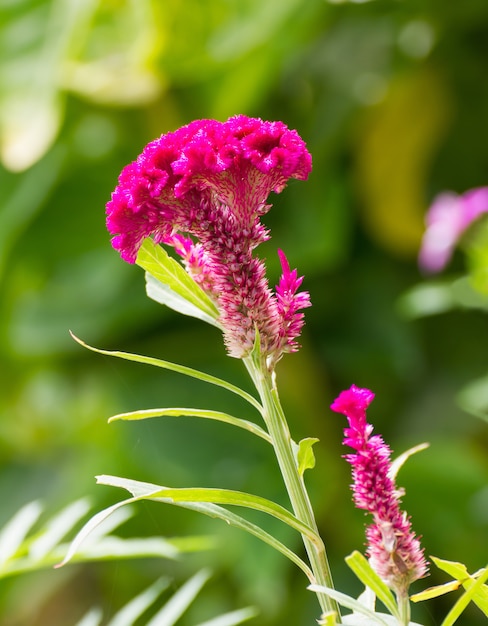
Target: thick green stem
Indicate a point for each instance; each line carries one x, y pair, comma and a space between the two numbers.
403, 602
295, 486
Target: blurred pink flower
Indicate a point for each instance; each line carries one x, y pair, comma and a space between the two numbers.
447, 219
202, 189
393, 549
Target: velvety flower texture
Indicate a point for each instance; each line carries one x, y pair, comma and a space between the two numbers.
394, 551
449, 216
202, 189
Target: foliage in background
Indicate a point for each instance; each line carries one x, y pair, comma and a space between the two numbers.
391, 99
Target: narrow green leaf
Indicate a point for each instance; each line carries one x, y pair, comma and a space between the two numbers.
400, 460
465, 599
204, 413
117, 548
180, 601
142, 491
174, 367
435, 592
453, 568
14, 532
118, 518
305, 455
233, 618
481, 596
234, 498
129, 613
57, 528
157, 262
90, 527
349, 603
162, 294
363, 570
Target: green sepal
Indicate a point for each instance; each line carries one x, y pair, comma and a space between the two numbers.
305, 455
168, 283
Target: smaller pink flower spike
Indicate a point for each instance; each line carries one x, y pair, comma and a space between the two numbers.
393, 549
448, 217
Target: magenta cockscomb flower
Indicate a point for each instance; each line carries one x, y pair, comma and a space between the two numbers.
393, 549
449, 216
202, 189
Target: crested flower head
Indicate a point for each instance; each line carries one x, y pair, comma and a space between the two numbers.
202, 189
449, 216
394, 550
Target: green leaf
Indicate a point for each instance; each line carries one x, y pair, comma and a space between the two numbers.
174, 367
460, 573
57, 528
15, 531
476, 592
180, 601
143, 491
129, 613
204, 413
117, 548
162, 294
171, 611
474, 589
27, 553
400, 460
349, 603
229, 497
176, 288
305, 455
233, 618
435, 592
453, 568
363, 570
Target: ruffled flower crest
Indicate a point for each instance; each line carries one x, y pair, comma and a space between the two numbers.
202, 189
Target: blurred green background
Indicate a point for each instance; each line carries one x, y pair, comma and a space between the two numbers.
391, 97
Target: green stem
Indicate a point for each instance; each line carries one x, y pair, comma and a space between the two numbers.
277, 425
403, 602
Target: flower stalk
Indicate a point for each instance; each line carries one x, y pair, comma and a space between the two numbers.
276, 423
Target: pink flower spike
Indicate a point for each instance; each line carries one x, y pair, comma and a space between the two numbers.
203, 189
393, 549
449, 216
